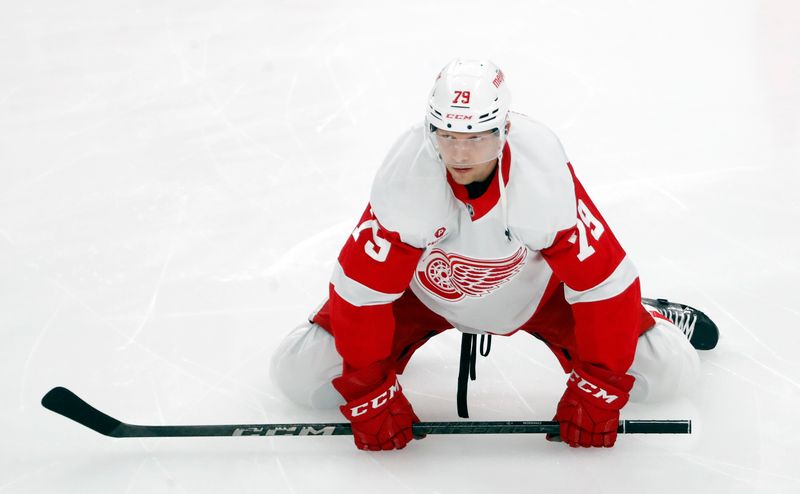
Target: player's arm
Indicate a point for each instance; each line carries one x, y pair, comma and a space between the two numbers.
374, 269
602, 287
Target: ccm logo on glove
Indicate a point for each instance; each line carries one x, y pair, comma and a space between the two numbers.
376, 402
592, 389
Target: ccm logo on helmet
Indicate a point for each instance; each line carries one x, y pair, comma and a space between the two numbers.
592, 389
459, 117
376, 402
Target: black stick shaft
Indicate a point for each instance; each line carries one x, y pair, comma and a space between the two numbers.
343, 429
66, 403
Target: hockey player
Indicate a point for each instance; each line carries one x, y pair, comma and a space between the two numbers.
477, 221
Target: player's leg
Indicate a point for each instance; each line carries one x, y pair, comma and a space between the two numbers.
306, 360
666, 363
303, 365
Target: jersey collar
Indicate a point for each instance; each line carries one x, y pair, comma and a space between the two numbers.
478, 207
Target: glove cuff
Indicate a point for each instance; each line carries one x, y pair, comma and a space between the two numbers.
355, 383
603, 388
369, 405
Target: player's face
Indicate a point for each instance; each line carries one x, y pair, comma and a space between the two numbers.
468, 157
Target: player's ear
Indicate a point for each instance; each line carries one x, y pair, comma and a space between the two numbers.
508, 126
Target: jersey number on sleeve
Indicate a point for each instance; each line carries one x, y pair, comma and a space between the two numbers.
378, 250
595, 227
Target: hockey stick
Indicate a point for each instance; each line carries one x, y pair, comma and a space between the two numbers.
65, 402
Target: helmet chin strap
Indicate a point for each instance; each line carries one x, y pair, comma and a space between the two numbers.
503, 198
502, 183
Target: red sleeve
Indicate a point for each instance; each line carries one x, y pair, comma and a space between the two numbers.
374, 269
601, 286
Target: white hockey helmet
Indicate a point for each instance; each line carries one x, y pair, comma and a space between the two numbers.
469, 96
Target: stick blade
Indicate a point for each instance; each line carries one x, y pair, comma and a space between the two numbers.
65, 402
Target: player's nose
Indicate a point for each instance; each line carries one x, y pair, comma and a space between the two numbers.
460, 151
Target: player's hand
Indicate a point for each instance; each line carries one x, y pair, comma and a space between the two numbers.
588, 413
382, 418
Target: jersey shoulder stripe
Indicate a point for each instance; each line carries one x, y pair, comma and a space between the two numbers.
357, 294
617, 282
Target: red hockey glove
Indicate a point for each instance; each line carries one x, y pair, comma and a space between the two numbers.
588, 413
382, 418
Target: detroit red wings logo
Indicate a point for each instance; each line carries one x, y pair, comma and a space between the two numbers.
453, 276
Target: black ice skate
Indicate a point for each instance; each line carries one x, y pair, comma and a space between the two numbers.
703, 334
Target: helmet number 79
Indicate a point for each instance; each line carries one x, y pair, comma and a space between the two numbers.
461, 97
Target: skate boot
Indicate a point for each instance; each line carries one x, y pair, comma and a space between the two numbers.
703, 334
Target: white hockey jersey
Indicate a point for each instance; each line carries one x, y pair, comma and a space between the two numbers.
491, 264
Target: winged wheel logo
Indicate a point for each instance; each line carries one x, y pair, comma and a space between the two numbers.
453, 276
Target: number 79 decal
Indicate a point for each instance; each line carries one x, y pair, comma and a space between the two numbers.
461, 97
594, 226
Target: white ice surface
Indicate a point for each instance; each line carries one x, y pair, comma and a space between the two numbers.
176, 178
